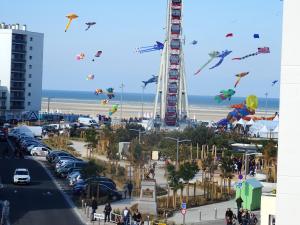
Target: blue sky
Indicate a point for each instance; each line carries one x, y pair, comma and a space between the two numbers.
123, 26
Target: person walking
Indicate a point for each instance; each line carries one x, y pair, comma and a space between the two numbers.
107, 210
253, 219
125, 189
126, 216
229, 216
94, 207
137, 217
129, 187
239, 202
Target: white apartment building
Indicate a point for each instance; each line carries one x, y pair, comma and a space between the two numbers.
21, 69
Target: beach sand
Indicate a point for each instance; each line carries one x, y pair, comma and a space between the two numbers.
134, 109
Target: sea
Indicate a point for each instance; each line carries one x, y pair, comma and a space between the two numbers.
271, 104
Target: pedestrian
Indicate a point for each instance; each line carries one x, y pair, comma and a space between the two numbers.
126, 216
253, 219
94, 207
125, 189
129, 187
239, 202
228, 216
137, 217
119, 220
239, 216
107, 210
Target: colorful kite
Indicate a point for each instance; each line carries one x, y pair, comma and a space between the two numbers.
98, 91
229, 35
222, 56
104, 102
274, 82
240, 111
113, 109
97, 55
225, 94
194, 42
90, 77
71, 17
263, 50
80, 56
89, 24
151, 48
212, 56
153, 79
239, 76
256, 35
109, 92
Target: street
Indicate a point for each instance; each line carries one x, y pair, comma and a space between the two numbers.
39, 203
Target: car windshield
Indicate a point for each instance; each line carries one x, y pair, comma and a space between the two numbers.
21, 172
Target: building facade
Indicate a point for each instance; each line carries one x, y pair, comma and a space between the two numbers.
21, 69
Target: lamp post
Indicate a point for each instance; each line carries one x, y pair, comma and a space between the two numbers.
266, 103
140, 132
122, 89
143, 91
177, 148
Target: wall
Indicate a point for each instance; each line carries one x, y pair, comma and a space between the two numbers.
288, 177
268, 207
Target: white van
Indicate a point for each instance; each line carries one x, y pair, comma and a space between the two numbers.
87, 121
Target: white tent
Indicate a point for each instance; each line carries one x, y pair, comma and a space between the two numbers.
241, 122
250, 122
276, 118
264, 129
276, 130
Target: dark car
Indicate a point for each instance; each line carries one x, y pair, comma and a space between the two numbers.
2, 136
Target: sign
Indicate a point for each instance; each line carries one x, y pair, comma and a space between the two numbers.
99, 216
32, 116
147, 193
183, 205
183, 211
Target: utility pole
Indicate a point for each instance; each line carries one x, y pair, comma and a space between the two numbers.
48, 107
143, 91
122, 89
266, 103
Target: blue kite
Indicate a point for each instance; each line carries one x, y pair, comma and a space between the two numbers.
256, 35
158, 46
153, 79
274, 82
222, 57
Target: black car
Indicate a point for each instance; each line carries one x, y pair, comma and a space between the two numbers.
2, 136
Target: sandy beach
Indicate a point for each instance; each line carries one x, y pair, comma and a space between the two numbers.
134, 109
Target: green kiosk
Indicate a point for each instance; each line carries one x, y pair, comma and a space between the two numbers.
250, 191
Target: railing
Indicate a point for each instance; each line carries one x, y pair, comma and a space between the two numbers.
17, 107
18, 88
17, 98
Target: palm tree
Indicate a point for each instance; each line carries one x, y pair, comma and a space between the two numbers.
174, 182
226, 167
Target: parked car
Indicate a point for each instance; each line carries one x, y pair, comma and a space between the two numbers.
39, 151
2, 136
63, 171
21, 175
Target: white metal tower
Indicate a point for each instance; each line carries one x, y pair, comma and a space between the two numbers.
171, 103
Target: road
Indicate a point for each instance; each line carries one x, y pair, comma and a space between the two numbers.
39, 203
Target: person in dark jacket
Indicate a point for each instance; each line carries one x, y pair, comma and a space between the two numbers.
137, 217
94, 207
107, 210
129, 187
229, 216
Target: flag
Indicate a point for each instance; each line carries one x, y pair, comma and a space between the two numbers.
264, 50
229, 35
256, 35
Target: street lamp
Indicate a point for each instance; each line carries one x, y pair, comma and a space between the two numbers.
177, 147
140, 132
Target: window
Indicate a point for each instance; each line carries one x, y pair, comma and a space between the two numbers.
30, 66
30, 48
29, 94
30, 57
29, 84
31, 38
28, 103
30, 75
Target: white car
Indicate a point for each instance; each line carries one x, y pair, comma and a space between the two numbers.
21, 175
39, 151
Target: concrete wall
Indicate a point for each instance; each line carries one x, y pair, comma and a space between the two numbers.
268, 207
288, 186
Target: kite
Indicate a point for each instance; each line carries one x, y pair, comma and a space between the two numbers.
239, 76
104, 102
240, 111
153, 79
97, 55
212, 56
90, 77
110, 93
113, 109
98, 91
229, 35
256, 35
89, 24
151, 48
225, 94
222, 56
274, 82
70, 16
194, 42
263, 50
80, 56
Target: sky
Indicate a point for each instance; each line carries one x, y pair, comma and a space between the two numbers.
122, 26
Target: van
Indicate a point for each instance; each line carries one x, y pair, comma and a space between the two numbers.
87, 121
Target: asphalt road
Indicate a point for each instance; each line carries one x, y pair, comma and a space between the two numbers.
39, 203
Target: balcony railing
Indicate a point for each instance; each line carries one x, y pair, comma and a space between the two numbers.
18, 60
13, 98
22, 79
19, 41
17, 88
18, 70
19, 50
17, 107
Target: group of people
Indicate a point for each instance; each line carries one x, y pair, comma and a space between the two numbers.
243, 217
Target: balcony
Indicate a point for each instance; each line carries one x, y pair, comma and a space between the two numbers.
2, 107
19, 41
18, 70
21, 107
18, 50
3, 97
18, 60
17, 98
17, 88
18, 79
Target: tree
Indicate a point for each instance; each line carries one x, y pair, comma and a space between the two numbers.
91, 137
93, 169
174, 182
226, 166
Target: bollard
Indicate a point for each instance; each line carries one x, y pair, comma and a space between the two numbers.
216, 213
148, 218
82, 204
88, 212
200, 216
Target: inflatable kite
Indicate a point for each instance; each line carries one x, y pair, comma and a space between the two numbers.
90, 77
80, 56
153, 79
71, 17
225, 94
256, 35
151, 48
89, 24
229, 35
98, 91
110, 93
212, 56
113, 109
222, 56
104, 102
97, 55
194, 42
239, 76
274, 82
263, 50
240, 111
